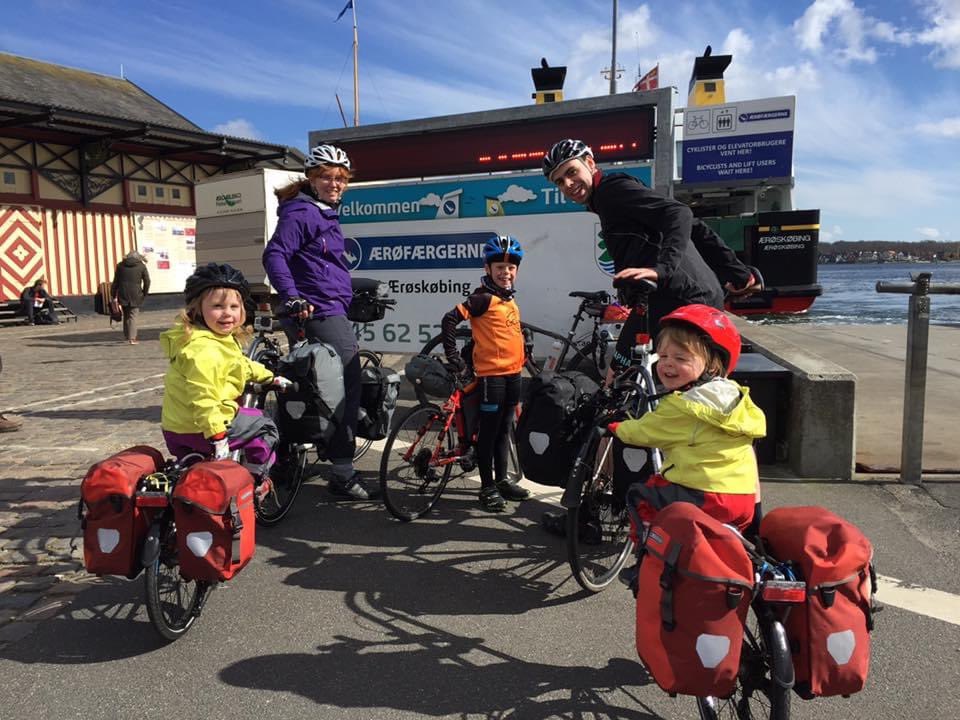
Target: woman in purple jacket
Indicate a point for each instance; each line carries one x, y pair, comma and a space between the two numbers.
306, 265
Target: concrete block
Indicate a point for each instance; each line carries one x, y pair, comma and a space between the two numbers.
821, 420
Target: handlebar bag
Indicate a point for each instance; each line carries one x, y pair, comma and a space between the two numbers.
213, 510
312, 412
830, 634
367, 304
113, 526
553, 424
694, 591
379, 391
429, 374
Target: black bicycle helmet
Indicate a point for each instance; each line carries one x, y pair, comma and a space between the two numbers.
212, 275
562, 151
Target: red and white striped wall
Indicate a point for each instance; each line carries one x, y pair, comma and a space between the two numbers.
73, 250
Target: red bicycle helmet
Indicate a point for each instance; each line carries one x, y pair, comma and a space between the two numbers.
720, 332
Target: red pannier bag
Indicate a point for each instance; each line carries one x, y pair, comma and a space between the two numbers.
829, 635
113, 526
213, 510
695, 587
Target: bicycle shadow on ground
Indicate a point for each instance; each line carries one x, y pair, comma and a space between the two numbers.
459, 562
426, 670
106, 621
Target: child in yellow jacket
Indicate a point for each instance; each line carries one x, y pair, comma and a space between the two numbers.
705, 427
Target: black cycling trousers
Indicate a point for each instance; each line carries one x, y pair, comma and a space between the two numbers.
337, 332
499, 395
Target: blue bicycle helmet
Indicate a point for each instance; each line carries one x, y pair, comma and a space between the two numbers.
502, 248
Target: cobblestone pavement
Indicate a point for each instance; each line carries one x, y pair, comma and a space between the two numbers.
82, 393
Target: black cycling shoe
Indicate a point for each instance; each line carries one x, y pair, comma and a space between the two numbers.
512, 491
491, 500
353, 488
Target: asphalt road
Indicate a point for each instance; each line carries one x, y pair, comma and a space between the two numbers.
345, 613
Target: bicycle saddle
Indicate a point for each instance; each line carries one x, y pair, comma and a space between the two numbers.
596, 296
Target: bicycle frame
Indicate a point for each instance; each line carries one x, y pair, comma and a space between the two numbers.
452, 410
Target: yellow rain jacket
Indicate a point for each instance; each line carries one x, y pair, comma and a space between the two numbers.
205, 379
706, 435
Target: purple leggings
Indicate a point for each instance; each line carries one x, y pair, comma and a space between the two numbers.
257, 450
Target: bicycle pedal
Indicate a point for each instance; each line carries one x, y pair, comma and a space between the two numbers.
264, 489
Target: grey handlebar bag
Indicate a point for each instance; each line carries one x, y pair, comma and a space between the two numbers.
314, 411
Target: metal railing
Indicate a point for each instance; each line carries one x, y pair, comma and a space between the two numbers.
915, 384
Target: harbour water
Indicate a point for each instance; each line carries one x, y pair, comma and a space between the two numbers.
850, 295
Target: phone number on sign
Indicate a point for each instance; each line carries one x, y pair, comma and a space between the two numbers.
402, 333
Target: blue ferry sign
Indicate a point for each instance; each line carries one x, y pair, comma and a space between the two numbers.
749, 140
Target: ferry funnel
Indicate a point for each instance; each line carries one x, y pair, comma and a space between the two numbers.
548, 82
706, 81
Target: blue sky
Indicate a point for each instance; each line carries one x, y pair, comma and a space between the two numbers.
877, 83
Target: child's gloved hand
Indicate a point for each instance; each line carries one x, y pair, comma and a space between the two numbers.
282, 383
612, 427
221, 446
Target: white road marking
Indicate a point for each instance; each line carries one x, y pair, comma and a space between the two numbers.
915, 598
87, 392
105, 398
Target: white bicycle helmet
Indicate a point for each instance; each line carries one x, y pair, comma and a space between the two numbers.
561, 152
326, 155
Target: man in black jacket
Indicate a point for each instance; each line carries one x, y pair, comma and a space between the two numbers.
649, 237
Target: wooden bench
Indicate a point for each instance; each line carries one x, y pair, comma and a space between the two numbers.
11, 315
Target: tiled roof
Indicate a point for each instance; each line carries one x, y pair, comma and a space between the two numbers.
32, 81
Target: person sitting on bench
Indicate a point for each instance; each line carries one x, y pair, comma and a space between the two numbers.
38, 304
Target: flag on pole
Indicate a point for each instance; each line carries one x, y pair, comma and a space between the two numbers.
345, 8
650, 81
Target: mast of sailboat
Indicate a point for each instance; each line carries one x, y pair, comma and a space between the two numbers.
356, 70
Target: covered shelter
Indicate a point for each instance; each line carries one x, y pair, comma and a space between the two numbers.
92, 167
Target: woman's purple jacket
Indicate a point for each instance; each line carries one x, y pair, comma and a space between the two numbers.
305, 257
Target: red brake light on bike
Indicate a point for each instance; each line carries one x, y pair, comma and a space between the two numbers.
784, 591
152, 499
641, 339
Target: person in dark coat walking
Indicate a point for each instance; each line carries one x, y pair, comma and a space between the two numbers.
131, 283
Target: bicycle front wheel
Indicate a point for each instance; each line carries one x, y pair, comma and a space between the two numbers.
368, 358
411, 479
173, 604
286, 478
598, 528
765, 678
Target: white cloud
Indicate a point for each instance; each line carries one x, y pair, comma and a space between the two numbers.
944, 33
948, 128
928, 233
847, 30
430, 199
238, 128
517, 193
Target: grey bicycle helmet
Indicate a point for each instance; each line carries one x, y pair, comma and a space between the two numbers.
562, 151
326, 155
212, 275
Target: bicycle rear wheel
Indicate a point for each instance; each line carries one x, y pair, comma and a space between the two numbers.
410, 478
286, 478
173, 604
368, 358
762, 691
598, 528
